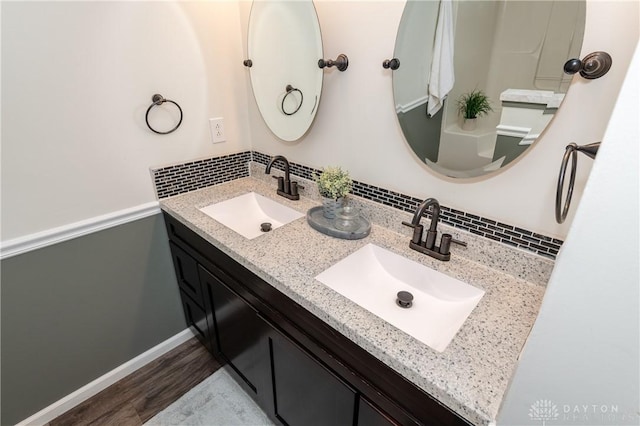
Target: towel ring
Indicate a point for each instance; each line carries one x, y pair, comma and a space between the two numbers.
290, 89
159, 100
571, 152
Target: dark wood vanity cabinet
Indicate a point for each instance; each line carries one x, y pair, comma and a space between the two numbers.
228, 326
296, 367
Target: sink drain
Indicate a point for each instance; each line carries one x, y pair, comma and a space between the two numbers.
405, 299
265, 227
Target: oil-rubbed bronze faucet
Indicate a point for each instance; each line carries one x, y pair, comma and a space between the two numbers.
428, 246
286, 188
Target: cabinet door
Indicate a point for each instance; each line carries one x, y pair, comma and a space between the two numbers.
306, 392
241, 336
368, 415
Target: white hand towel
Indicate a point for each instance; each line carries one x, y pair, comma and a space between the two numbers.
441, 78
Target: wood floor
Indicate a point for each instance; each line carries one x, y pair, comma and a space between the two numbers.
144, 393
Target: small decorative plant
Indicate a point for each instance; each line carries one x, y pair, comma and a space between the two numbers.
333, 182
474, 104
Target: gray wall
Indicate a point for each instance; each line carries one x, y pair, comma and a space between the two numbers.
75, 310
422, 132
509, 147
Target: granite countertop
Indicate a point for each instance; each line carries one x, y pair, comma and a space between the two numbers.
471, 375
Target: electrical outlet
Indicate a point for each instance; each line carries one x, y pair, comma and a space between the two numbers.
216, 125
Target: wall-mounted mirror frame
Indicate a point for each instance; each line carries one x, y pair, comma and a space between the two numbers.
512, 50
284, 45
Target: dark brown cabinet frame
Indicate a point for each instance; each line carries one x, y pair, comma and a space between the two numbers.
278, 326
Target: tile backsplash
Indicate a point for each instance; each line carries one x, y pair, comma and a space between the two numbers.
186, 177
181, 178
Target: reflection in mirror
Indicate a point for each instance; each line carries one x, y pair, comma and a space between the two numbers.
284, 45
513, 51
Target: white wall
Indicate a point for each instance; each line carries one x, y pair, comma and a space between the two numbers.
582, 354
77, 78
414, 45
475, 24
356, 126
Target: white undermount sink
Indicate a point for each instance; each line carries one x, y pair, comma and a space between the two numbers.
372, 277
245, 214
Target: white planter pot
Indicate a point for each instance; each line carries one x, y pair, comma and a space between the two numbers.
469, 124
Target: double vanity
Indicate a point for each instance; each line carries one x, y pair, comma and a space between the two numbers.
383, 324
277, 306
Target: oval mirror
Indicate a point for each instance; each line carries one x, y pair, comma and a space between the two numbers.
284, 45
511, 52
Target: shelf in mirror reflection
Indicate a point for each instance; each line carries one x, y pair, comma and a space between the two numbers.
480, 171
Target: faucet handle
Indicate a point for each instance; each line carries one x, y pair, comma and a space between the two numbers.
461, 243
417, 232
280, 182
445, 243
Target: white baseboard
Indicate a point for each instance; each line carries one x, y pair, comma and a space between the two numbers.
87, 391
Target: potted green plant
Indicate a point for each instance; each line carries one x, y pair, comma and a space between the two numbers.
471, 106
333, 184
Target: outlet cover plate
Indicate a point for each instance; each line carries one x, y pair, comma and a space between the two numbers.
216, 125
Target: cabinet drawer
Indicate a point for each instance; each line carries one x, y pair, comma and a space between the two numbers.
187, 274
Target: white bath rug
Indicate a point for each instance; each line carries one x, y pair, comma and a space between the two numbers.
216, 401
